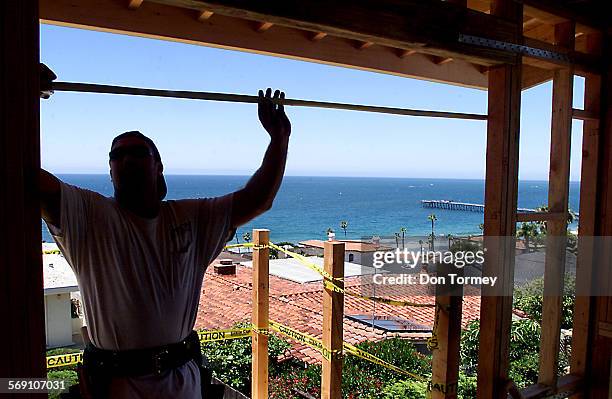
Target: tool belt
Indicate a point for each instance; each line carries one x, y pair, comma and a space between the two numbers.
100, 365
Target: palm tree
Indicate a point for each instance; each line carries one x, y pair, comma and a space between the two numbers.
403, 231
397, 237
344, 226
433, 219
246, 237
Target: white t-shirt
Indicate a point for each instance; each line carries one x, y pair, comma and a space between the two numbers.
140, 279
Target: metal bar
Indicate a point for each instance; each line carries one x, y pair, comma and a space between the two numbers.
241, 98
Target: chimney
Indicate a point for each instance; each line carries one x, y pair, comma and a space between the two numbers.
225, 267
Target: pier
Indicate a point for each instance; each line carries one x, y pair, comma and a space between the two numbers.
462, 206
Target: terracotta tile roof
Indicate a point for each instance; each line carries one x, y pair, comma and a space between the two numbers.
226, 300
350, 245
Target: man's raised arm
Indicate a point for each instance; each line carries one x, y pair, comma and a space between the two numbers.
50, 196
258, 194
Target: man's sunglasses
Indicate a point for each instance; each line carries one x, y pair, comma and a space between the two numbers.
136, 151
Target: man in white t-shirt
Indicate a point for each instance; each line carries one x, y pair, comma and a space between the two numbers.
140, 260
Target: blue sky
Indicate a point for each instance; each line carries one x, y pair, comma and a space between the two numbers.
197, 137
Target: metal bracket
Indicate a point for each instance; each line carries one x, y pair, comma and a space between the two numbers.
513, 48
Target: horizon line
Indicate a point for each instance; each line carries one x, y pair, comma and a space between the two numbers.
328, 176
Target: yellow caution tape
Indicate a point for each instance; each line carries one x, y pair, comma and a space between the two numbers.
353, 350
304, 338
245, 245
204, 336
64, 360
52, 252
222, 335
262, 331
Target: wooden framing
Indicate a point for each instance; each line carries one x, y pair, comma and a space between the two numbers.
591, 144
600, 348
500, 217
22, 340
261, 309
558, 199
160, 21
403, 38
333, 321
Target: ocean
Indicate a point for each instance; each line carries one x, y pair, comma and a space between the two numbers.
306, 207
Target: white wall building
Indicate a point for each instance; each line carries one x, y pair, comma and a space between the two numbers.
60, 286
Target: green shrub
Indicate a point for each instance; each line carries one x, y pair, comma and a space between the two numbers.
529, 297
406, 389
69, 376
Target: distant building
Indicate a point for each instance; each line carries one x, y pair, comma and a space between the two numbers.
360, 252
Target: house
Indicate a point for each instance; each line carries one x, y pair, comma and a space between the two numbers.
361, 252
60, 289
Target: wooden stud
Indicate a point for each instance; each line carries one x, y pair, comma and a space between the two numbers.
501, 187
599, 366
22, 340
134, 4
204, 15
446, 358
261, 292
333, 319
591, 144
318, 36
263, 26
558, 198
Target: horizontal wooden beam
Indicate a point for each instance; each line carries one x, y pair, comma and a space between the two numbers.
569, 383
584, 115
182, 25
432, 29
540, 216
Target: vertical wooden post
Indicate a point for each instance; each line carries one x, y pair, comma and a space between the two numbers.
500, 214
261, 290
600, 348
333, 320
445, 362
591, 139
22, 340
558, 197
